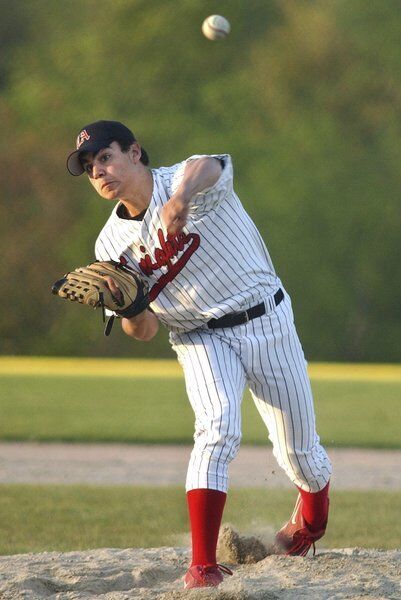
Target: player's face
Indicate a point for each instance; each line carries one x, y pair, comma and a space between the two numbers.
111, 171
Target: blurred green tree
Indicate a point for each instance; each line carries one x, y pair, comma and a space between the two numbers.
304, 95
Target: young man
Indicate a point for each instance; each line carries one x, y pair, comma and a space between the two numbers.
213, 285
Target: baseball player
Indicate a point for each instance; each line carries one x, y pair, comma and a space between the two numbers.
210, 279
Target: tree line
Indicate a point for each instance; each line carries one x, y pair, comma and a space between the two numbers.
305, 96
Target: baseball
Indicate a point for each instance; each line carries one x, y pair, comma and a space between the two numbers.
215, 27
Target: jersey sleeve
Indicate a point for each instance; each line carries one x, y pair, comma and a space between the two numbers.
100, 250
210, 197
106, 248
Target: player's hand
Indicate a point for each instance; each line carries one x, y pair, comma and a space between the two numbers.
175, 214
105, 284
115, 290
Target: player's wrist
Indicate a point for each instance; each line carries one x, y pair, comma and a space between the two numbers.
135, 309
136, 319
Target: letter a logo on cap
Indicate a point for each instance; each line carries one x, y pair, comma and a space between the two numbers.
82, 137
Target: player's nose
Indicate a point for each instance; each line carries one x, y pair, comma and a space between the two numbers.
97, 170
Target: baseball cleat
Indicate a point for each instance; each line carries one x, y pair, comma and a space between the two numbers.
295, 538
199, 576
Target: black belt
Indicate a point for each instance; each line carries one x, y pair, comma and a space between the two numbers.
247, 315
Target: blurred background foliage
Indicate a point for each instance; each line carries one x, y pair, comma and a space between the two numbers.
306, 97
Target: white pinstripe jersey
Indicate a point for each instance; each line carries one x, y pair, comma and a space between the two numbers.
219, 264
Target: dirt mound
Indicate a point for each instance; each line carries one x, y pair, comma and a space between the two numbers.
112, 574
237, 549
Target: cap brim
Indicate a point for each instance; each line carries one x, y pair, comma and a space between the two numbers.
74, 165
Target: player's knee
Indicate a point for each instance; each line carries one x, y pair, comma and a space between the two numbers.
219, 444
228, 444
227, 436
233, 446
220, 431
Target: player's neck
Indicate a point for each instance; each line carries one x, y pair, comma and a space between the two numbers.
139, 195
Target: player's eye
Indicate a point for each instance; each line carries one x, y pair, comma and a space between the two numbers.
105, 157
88, 168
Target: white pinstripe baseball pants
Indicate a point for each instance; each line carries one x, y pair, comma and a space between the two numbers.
266, 355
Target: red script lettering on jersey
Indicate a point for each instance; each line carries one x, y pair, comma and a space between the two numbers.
169, 249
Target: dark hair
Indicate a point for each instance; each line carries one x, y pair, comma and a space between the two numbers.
125, 145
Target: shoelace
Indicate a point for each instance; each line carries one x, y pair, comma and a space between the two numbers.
224, 569
302, 547
204, 570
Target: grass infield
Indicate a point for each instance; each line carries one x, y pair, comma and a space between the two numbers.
64, 518
144, 408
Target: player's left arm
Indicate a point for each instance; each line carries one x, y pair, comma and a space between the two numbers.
199, 175
143, 327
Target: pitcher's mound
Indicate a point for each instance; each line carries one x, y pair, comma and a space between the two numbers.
112, 574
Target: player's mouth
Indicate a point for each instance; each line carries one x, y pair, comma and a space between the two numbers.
107, 185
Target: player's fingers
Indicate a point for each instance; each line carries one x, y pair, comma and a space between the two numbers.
168, 217
115, 290
175, 227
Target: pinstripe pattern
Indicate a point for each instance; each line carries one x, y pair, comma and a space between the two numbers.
266, 355
231, 269
215, 381
221, 265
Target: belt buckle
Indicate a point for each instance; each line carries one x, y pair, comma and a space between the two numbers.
247, 319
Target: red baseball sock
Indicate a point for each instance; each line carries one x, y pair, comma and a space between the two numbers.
315, 507
205, 513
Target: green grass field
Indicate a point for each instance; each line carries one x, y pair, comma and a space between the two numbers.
90, 400
155, 409
63, 518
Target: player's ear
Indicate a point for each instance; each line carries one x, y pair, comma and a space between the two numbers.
135, 153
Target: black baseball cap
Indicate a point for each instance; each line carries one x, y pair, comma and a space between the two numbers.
94, 137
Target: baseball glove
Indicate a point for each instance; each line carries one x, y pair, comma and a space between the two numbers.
87, 285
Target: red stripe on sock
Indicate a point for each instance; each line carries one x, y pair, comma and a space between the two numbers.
205, 513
